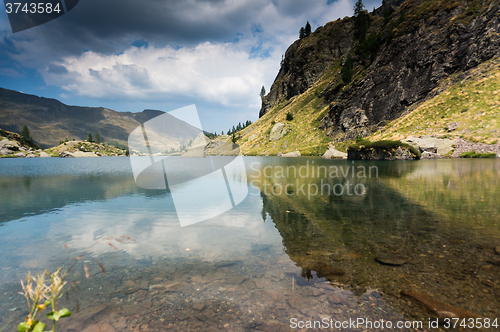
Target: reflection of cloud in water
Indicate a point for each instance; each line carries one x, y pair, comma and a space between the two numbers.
157, 232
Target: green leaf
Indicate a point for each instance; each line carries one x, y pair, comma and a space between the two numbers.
64, 312
47, 303
23, 327
39, 327
53, 315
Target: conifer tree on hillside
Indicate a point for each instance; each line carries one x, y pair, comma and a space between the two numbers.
302, 33
361, 20
25, 133
90, 138
307, 29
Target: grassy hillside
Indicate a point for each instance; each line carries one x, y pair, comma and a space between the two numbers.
465, 106
391, 79
303, 131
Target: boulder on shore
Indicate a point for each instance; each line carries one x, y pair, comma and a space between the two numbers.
44, 154
380, 154
334, 153
66, 154
10, 145
291, 154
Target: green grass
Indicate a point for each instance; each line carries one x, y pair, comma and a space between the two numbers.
472, 103
303, 133
473, 154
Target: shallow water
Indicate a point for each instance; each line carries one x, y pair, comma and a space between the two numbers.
305, 244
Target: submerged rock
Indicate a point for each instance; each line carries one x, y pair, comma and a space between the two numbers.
323, 270
391, 260
441, 310
103, 327
198, 306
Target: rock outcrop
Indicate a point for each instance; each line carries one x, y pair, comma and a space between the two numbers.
278, 131
380, 154
334, 154
417, 47
291, 154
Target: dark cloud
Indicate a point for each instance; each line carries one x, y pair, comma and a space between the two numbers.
55, 69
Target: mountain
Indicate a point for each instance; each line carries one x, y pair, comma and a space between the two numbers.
51, 121
336, 85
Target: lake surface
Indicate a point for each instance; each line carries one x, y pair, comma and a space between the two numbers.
310, 243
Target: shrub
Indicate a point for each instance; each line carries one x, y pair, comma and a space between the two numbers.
289, 116
473, 154
347, 70
364, 144
369, 47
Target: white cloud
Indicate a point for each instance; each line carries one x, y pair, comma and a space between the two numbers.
222, 73
229, 74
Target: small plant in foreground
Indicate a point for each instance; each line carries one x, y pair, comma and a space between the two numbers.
41, 295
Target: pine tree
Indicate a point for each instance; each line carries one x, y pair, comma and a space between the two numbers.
347, 71
302, 33
361, 21
262, 92
97, 138
358, 7
25, 133
307, 29
89, 138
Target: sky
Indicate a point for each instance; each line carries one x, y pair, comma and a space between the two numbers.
130, 55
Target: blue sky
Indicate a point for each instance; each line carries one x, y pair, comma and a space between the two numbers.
129, 55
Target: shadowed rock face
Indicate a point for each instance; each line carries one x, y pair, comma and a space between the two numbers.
426, 49
307, 59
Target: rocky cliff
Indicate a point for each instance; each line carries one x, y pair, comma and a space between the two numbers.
410, 48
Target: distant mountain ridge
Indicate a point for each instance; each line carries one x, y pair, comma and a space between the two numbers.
50, 121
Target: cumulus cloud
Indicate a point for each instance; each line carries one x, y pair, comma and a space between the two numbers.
222, 73
217, 51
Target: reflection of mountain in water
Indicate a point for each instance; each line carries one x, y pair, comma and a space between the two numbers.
325, 234
30, 195
383, 240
